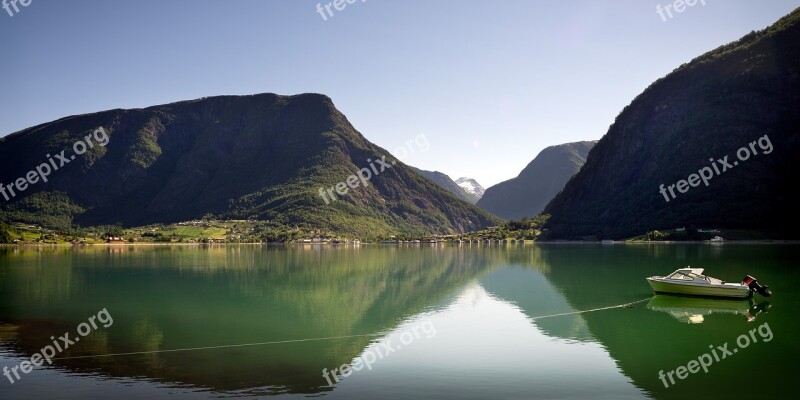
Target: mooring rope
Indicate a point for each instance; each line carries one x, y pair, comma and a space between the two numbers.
592, 310
217, 347
311, 339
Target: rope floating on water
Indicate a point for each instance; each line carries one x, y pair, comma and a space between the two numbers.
311, 339
592, 310
217, 347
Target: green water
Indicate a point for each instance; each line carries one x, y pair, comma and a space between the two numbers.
463, 322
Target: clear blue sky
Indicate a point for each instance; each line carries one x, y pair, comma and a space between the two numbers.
490, 83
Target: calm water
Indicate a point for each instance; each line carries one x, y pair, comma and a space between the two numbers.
462, 322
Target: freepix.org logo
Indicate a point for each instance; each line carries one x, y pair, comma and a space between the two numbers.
326, 12
719, 166
48, 353
53, 163
8, 5
719, 353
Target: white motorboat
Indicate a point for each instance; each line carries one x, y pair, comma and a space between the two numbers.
691, 281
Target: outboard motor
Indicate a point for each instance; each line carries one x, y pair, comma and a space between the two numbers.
754, 286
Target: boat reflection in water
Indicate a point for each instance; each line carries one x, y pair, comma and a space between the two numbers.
693, 310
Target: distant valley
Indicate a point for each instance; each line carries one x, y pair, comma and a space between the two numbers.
537, 184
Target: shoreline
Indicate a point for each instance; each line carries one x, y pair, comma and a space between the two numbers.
623, 243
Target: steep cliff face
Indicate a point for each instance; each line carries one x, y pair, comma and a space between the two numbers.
262, 156
702, 112
537, 184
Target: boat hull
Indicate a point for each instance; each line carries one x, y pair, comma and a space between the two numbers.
729, 291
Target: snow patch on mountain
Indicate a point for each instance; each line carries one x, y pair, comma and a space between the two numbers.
471, 186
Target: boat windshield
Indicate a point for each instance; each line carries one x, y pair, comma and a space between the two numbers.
687, 276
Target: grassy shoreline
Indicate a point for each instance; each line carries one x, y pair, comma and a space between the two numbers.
208, 232
538, 242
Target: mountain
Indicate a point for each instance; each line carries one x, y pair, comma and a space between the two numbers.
537, 184
447, 183
265, 157
471, 186
739, 101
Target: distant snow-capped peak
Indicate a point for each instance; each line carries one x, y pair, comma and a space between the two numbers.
471, 186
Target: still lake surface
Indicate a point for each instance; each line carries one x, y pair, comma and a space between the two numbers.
462, 322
